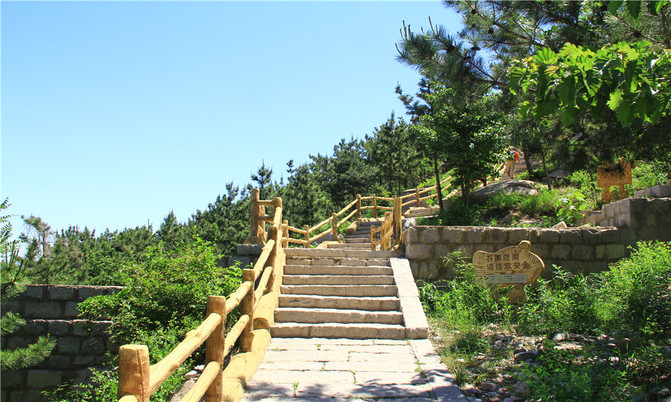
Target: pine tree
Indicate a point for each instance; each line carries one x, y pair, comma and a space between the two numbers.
12, 282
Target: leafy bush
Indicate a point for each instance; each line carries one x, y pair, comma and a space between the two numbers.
648, 174
165, 296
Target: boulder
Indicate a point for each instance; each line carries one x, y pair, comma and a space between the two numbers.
482, 195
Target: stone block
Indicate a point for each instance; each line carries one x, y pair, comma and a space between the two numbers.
43, 378
597, 266
466, 250
533, 235
70, 310
539, 249
243, 261
34, 292
93, 346
614, 251
323, 261
411, 236
627, 237
591, 236
43, 310
583, 252
16, 342
414, 268
249, 249
430, 235
13, 306
570, 236
62, 293
13, 379
25, 395
561, 251
441, 250
418, 251
549, 235
59, 327
490, 248
67, 345
453, 235
637, 205
58, 361
516, 235
84, 361
85, 292
599, 251
498, 235
475, 235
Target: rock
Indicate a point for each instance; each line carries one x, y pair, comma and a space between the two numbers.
489, 386
664, 392
409, 222
525, 356
521, 387
558, 174
191, 375
199, 367
560, 225
508, 186
559, 336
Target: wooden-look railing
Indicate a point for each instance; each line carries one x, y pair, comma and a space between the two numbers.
138, 380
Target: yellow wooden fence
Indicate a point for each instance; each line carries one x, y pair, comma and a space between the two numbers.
257, 297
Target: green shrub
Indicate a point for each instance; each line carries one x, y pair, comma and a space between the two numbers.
648, 174
165, 296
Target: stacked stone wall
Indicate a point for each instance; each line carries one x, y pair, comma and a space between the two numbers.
648, 218
80, 344
583, 250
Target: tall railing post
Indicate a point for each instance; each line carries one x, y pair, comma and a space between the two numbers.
334, 224
398, 224
417, 196
374, 207
358, 206
134, 372
307, 235
254, 227
214, 347
285, 233
247, 307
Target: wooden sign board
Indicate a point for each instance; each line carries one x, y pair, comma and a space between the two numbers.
514, 266
618, 175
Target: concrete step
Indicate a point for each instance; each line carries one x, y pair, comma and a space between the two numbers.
339, 330
326, 315
338, 302
341, 290
337, 280
357, 246
340, 253
336, 270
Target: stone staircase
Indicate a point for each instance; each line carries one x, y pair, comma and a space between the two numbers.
345, 290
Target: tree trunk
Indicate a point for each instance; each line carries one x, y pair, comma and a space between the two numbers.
437, 173
467, 189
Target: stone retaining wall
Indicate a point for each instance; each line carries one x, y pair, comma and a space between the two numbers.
575, 249
648, 218
79, 344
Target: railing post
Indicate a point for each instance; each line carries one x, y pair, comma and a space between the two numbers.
398, 224
134, 372
334, 229
417, 196
254, 210
358, 206
374, 207
214, 347
285, 233
247, 307
307, 235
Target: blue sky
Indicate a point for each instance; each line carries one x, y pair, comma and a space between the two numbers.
115, 113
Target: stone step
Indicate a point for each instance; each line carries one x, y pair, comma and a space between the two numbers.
336, 270
349, 239
362, 246
341, 290
348, 262
364, 303
328, 315
339, 330
340, 253
337, 280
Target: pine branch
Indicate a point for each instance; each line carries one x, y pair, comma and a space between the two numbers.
28, 356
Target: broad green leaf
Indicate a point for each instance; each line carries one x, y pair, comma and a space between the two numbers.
546, 56
566, 91
568, 115
615, 99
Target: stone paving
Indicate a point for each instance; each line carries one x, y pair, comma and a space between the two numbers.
316, 369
